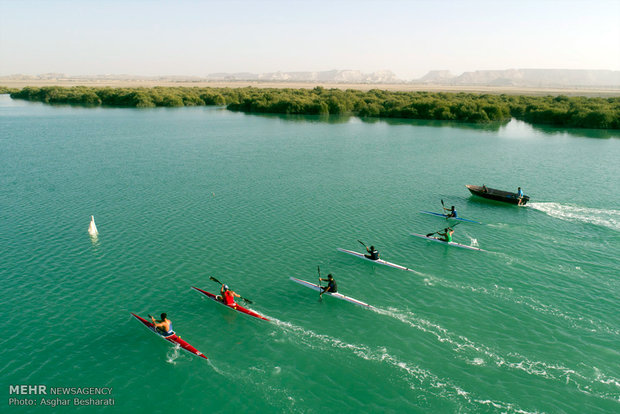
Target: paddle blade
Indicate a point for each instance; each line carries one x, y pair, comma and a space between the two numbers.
247, 300
215, 280
429, 234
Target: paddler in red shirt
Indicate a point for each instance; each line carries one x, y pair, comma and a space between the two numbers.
227, 296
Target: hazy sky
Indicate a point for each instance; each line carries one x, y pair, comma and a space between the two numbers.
176, 37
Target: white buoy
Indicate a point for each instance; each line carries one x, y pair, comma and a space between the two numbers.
92, 229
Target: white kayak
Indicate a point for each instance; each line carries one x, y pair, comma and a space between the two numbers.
434, 239
378, 261
336, 295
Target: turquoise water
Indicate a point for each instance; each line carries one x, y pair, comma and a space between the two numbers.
179, 195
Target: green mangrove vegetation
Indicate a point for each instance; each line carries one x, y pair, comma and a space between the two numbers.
558, 111
4, 89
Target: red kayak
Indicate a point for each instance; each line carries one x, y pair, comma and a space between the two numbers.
174, 338
235, 307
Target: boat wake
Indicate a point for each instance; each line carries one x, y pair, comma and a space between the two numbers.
507, 293
173, 354
597, 383
417, 378
273, 395
573, 213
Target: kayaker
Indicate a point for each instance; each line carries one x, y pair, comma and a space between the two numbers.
163, 326
484, 189
447, 234
331, 287
373, 253
227, 296
519, 196
451, 212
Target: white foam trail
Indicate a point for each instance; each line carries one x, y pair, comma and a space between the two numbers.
173, 354
271, 394
92, 228
570, 212
423, 379
482, 353
507, 293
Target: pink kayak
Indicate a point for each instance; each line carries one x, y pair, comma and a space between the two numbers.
174, 338
235, 307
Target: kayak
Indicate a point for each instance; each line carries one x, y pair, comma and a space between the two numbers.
434, 239
174, 338
336, 295
378, 261
451, 218
235, 307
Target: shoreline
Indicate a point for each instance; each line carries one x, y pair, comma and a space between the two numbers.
393, 87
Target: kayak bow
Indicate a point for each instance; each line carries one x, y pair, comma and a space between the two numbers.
174, 338
235, 307
336, 295
378, 261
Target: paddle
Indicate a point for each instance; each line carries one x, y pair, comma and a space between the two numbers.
362, 243
215, 280
430, 234
318, 268
444, 209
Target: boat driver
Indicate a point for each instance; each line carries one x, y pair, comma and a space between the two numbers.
519, 196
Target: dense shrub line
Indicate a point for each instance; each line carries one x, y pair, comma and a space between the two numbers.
562, 111
4, 89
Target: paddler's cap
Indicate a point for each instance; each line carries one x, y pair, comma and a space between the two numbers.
225, 287
330, 276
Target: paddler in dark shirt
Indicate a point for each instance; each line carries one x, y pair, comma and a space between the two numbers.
331, 287
373, 254
451, 212
163, 326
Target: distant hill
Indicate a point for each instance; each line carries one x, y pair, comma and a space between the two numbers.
527, 78
334, 76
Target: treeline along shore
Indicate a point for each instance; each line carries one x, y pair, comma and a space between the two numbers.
559, 111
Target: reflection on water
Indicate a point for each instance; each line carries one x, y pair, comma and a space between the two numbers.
493, 126
312, 119
579, 132
343, 119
